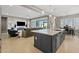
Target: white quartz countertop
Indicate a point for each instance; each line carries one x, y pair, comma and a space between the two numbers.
48, 31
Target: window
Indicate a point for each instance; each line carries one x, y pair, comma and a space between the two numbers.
73, 22
39, 23
33, 23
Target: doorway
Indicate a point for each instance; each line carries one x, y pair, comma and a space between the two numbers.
3, 24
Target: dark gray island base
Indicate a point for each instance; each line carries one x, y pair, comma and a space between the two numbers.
48, 41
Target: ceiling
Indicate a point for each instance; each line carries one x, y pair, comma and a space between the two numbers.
32, 11
19, 11
60, 10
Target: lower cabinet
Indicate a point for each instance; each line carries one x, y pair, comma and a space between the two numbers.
59, 39
47, 43
43, 42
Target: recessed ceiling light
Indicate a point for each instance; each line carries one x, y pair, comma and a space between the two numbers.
43, 12
29, 10
28, 17
6, 13
10, 5
52, 10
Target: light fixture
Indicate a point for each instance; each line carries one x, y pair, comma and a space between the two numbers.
29, 10
28, 17
43, 12
50, 15
52, 10
6, 13
10, 5
54, 17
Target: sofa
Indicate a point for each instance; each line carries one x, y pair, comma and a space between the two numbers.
27, 32
12, 33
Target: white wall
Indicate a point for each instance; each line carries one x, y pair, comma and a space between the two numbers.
11, 21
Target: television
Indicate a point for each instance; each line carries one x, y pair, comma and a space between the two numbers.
20, 23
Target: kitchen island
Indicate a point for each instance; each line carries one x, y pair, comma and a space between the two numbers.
47, 40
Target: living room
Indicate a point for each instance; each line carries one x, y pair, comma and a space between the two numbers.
22, 25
